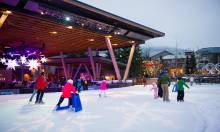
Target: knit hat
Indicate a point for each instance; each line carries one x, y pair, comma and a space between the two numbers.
70, 81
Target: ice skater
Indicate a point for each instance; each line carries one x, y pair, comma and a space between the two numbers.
180, 85
41, 84
155, 88
191, 80
103, 88
66, 93
79, 85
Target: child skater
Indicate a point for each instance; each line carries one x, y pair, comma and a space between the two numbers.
180, 94
103, 87
155, 88
66, 93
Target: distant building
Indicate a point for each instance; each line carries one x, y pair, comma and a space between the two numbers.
174, 63
159, 55
208, 55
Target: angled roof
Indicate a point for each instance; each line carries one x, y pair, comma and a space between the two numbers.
33, 22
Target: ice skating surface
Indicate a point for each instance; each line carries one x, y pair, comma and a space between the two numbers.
130, 109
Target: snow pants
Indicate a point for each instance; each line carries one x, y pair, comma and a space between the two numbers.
165, 92
180, 95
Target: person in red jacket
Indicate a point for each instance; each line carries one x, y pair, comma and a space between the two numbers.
66, 93
41, 84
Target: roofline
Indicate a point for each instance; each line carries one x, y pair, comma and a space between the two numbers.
102, 16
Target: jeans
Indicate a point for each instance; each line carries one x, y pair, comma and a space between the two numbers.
40, 94
34, 92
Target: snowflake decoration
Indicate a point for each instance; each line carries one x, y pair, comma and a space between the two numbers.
11, 64
33, 64
43, 60
3, 60
23, 59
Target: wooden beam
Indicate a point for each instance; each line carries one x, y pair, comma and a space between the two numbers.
87, 70
64, 66
92, 63
3, 19
129, 62
109, 45
77, 71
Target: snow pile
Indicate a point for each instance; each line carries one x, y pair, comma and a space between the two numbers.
123, 110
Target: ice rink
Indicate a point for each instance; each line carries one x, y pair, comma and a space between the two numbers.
130, 109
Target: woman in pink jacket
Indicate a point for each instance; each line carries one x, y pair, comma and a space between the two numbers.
66, 93
103, 88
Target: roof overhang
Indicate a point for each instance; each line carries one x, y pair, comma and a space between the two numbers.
26, 23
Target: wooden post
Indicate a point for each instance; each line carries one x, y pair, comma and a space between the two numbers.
64, 66
97, 71
2, 19
129, 62
108, 43
77, 71
92, 63
100, 68
87, 70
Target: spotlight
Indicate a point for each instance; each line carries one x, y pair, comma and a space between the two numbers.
69, 27
67, 18
7, 12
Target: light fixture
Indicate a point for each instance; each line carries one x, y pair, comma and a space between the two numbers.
108, 36
69, 27
8, 12
23, 59
100, 28
117, 33
42, 13
11, 64
33, 64
43, 59
67, 18
53, 32
115, 44
131, 42
91, 40
3, 60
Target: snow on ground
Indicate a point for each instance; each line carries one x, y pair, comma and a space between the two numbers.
130, 109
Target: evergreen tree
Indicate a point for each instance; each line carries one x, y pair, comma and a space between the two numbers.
190, 67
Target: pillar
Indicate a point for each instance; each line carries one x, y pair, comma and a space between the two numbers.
3, 18
92, 63
129, 62
77, 71
109, 45
63, 64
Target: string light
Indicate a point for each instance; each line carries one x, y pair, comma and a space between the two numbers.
11, 64
3, 60
23, 59
33, 64
43, 60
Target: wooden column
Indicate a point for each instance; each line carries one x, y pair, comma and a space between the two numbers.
129, 62
64, 66
92, 63
109, 45
100, 68
97, 71
87, 70
77, 71
2, 19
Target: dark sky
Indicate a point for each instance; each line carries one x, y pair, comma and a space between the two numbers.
191, 24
